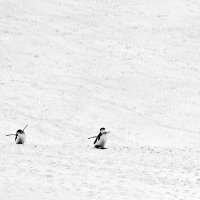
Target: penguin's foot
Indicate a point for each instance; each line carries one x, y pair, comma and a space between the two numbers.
99, 147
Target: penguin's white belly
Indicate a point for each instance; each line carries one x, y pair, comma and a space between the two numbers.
21, 138
102, 141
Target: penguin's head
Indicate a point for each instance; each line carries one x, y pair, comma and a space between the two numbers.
102, 130
20, 131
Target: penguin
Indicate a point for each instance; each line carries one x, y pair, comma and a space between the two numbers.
101, 139
20, 137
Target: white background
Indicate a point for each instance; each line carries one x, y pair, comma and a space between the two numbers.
67, 68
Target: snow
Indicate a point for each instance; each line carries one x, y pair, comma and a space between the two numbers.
67, 68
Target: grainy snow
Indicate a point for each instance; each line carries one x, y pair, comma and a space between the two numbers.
68, 68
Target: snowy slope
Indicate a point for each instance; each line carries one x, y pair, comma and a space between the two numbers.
68, 68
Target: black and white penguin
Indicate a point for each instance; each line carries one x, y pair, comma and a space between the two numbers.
101, 139
20, 137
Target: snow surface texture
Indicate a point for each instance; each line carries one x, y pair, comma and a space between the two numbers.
68, 68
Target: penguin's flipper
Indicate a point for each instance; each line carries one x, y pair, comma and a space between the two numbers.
95, 141
16, 136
